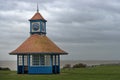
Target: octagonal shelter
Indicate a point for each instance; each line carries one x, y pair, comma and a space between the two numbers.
38, 54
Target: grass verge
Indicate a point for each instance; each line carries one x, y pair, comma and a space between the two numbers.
90, 73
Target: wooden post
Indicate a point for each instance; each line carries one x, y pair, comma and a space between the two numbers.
55, 65
59, 63
17, 64
51, 57
51, 60
28, 62
23, 64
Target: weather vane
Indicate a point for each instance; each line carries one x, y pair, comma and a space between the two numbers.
37, 7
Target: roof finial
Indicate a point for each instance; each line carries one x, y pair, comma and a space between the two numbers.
37, 8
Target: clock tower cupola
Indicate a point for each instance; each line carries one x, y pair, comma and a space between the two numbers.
38, 24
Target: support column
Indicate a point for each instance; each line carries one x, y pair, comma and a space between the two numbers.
17, 64
51, 60
28, 62
59, 63
23, 64
55, 65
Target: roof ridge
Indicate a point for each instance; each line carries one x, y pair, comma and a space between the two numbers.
37, 16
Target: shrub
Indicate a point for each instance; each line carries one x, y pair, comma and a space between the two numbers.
80, 65
67, 66
1, 68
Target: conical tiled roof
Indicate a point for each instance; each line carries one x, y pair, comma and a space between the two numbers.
38, 44
37, 16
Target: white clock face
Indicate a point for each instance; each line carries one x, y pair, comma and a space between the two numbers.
35, 26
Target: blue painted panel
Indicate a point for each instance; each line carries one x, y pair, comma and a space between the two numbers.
56, 69
40, 70
20, 69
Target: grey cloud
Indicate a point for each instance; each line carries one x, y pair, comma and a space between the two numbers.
94, 23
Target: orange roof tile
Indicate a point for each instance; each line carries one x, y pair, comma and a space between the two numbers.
38, 44
37, 16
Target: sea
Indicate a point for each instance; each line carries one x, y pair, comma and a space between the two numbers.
12, 65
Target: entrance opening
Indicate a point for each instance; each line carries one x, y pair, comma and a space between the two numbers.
55, 67
22, 64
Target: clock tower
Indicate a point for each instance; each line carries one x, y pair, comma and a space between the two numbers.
38, 54
38, 24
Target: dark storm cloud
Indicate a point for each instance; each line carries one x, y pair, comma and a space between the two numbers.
88, 21
87, 29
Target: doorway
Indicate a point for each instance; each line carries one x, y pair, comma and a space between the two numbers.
22, 64
55, 64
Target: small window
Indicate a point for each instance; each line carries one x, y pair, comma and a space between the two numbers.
20, 62
40, 60
47, 60
25, 60
55, 60
35, 60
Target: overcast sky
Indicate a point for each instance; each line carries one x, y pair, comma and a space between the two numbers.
86, 29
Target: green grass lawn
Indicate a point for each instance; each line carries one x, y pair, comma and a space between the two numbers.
92, 73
